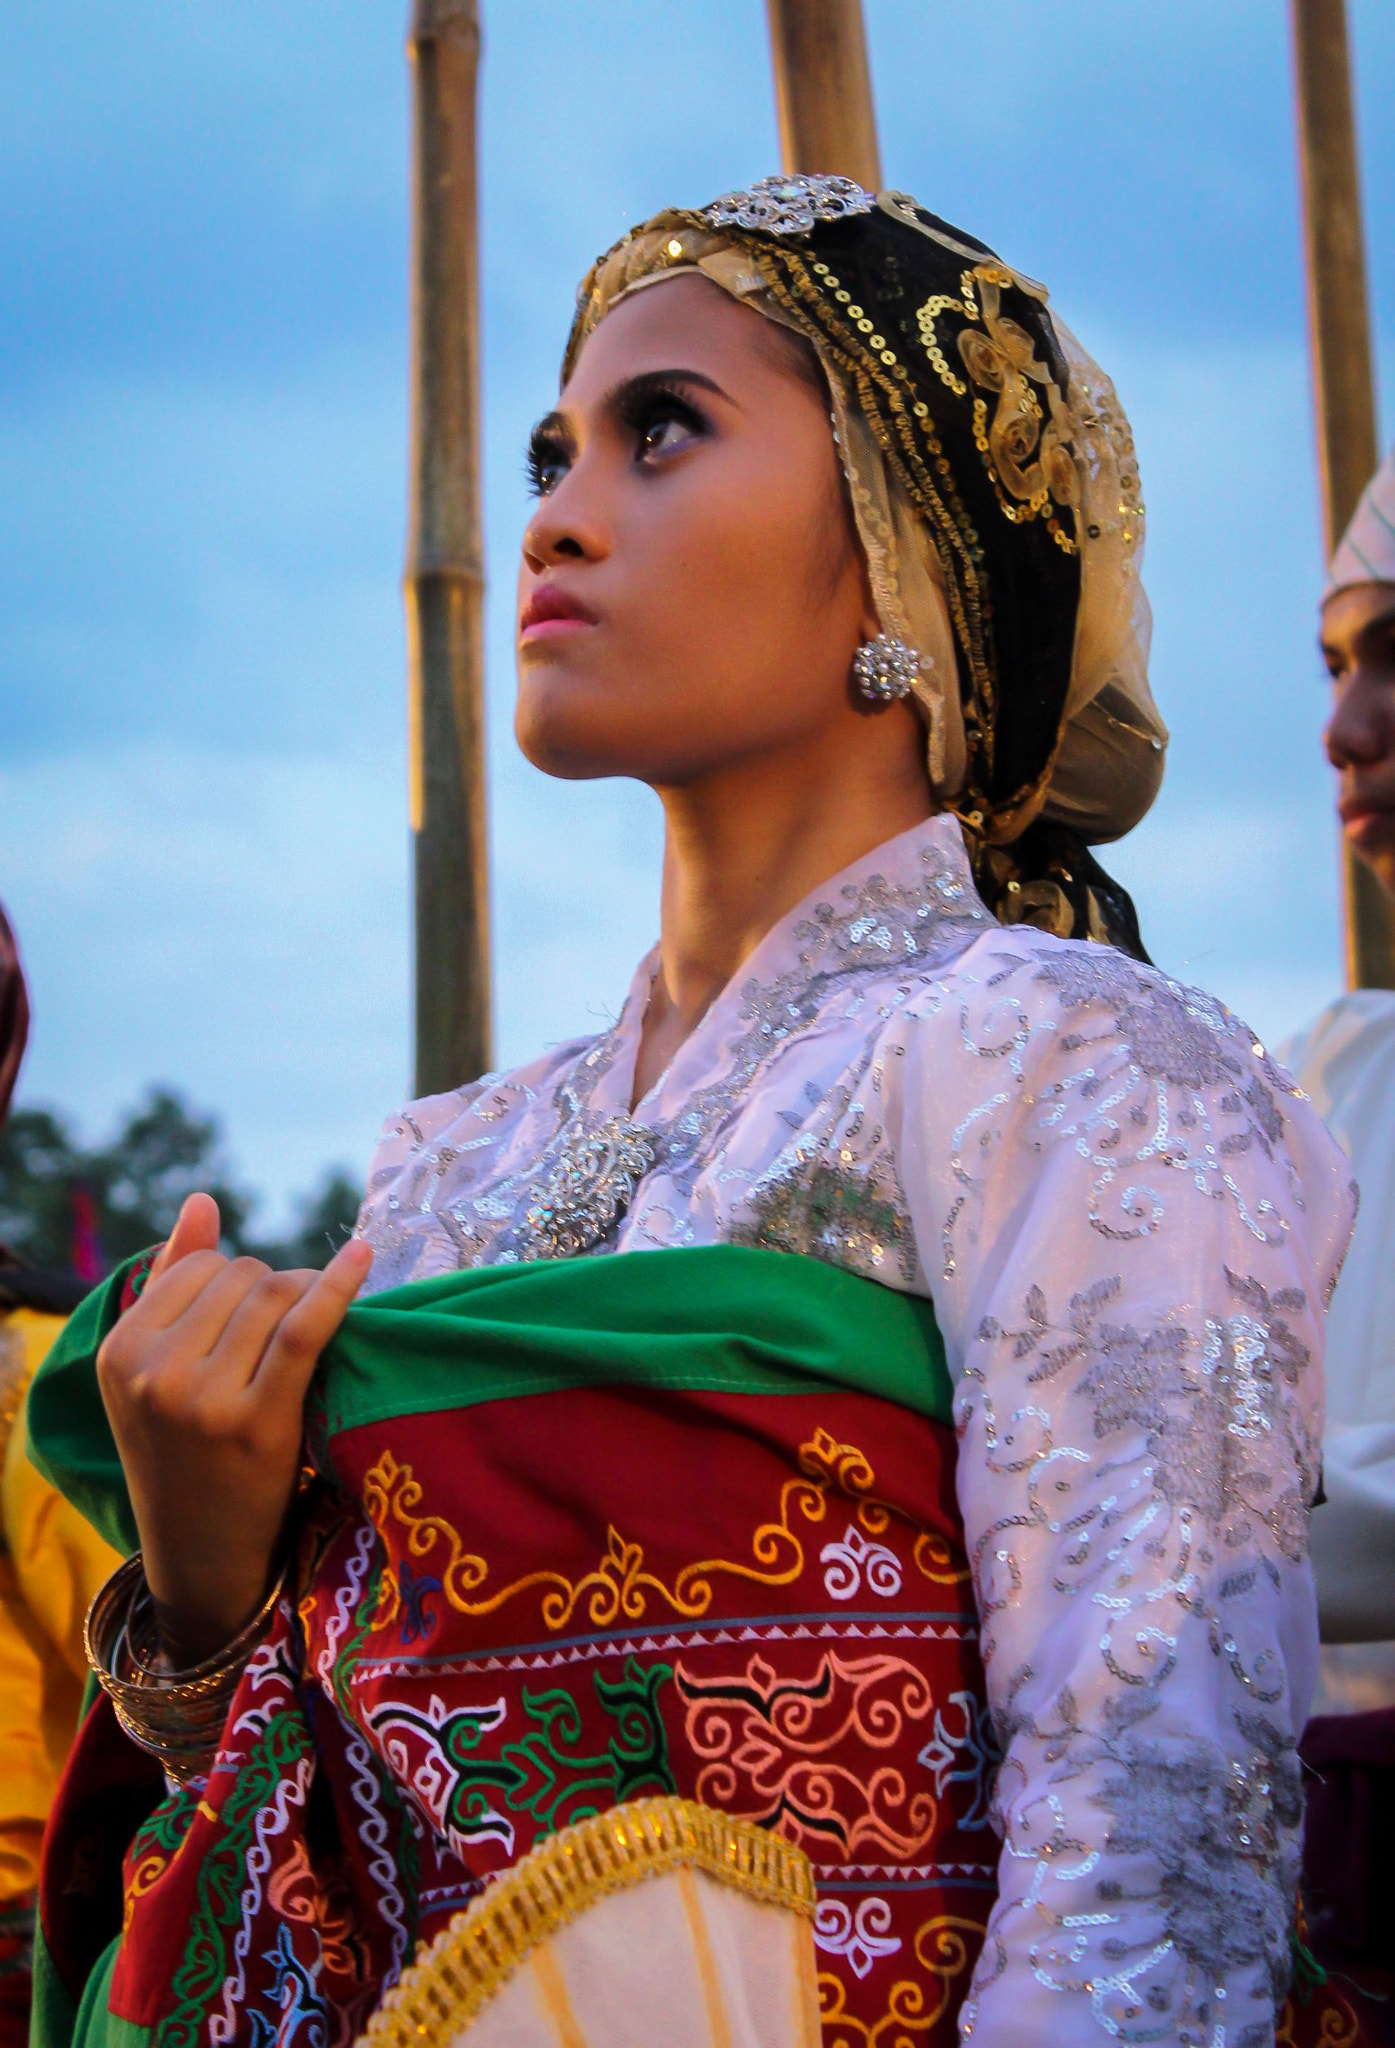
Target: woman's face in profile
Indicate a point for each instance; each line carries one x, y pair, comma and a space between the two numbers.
691, 592
1358, 644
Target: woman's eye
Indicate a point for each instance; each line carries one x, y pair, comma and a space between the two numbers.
665, 430
546, 465
663, 434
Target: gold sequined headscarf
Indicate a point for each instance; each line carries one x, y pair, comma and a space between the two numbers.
995, 488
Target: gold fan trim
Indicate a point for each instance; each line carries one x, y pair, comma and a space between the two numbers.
482, 1947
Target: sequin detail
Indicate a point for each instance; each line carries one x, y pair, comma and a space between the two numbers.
1173, 1032
1160, 1081
1213, 1407
1218, 1831
588, 1190
1160, 1471
788, 205
831, 1211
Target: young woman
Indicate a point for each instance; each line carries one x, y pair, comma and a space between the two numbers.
837, 547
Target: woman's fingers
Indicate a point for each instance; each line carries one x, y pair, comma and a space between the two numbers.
208, 1330
303, 1332
211, 1328
194, 1301
198, 1228
152, 1351
234, 1358
164, 1299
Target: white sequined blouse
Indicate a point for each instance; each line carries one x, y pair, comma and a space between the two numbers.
1129, 1224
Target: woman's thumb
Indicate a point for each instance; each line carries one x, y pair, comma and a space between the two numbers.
197, 1229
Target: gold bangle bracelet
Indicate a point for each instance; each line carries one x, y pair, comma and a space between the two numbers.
176, 1716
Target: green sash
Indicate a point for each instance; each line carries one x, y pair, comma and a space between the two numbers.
721, 1317
715, 1320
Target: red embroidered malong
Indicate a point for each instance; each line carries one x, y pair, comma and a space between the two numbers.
668, 1523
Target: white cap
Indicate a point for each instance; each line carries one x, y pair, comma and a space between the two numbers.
1366, 551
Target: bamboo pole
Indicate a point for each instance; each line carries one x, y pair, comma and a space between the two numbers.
444, 582
823, 89
1343, 380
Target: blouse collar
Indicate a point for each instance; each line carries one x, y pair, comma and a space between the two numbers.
909, 906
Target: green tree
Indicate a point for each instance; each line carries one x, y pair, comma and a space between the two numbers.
40, 1166
163, 1151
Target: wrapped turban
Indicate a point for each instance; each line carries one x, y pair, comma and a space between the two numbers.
1366, 551
995, 489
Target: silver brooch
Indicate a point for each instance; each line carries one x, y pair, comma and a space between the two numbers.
788, 206
885, 669
588, 1190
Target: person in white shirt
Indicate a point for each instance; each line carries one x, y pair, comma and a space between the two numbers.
1345, 1061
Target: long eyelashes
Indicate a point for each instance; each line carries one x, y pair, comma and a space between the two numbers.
645, 409
645, 406
546, 461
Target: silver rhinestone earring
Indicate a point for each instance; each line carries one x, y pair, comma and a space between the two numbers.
885, 669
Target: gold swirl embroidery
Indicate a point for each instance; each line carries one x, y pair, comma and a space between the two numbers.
1028, 455
1337, 2024
147, 1872
945, 1948
619, 1585
936, 1560
844, 1468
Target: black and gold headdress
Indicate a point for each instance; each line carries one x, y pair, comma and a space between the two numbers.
995, 488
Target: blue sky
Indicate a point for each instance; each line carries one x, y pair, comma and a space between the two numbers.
202, 443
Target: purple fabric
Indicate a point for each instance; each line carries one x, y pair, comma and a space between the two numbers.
1348, 1869
14, 1014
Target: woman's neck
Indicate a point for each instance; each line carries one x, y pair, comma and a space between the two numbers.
740, 851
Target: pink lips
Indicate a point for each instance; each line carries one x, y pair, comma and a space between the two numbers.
551, 612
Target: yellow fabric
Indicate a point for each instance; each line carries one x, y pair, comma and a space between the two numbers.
51, 1566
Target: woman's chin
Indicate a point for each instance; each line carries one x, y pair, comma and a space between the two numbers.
574, 741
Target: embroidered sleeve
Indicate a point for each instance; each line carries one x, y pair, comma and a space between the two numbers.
1131, 1245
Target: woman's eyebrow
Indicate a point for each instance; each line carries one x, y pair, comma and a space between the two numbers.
1381, 624
625, 393
647, 383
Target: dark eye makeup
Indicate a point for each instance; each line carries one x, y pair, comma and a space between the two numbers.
547, 458
647, 407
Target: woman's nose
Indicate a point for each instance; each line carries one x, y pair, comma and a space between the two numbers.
542, 547
1361, 730
565, 527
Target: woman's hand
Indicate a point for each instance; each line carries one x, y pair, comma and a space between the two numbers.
204, 1381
